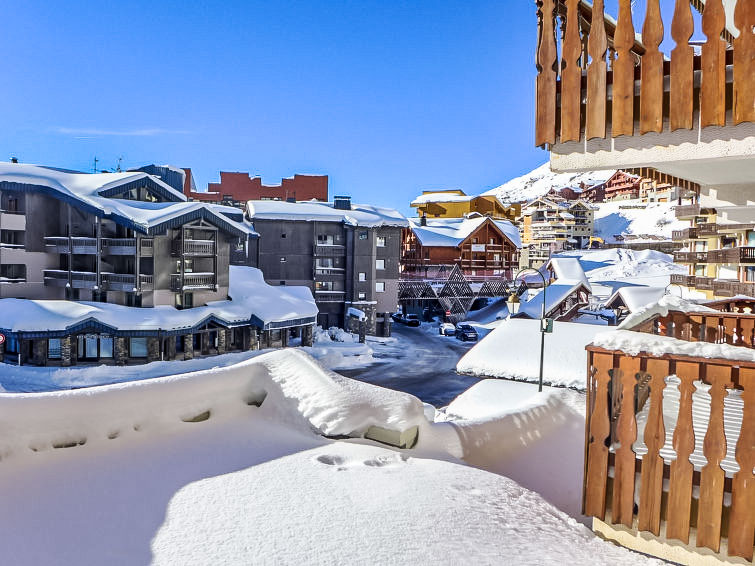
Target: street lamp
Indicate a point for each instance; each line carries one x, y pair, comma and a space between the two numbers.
543, 324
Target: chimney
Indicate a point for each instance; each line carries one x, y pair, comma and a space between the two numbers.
423, 220
342, 202
14, 159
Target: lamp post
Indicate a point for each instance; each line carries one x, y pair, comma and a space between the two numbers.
542, 320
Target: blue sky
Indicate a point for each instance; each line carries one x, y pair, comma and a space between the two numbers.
386, 97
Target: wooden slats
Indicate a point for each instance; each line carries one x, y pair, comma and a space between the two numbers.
714, 449
742, 524
597, 446
713, 86
651, 482
623, 479
597, 45
682, 61
680, 481
744, 63
622, 118
545, 96
571, 76
651, 86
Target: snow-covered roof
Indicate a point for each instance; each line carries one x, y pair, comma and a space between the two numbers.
568, 270
359, 215
252, 301
441, 197
634, 298
555, 294
451, 232
539, 181
662, 307
95, 193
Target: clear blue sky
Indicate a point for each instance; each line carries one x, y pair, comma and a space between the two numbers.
386, 97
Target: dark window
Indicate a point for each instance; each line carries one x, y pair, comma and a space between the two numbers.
362, 235
283, 235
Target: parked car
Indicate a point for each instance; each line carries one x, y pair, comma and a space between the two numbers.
466, 332
447, 329
408, 319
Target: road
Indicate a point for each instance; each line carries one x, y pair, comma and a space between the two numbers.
419, 363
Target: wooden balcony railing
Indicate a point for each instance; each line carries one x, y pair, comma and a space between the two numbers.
687, 210
685, 280
745, 254
690, 257
706, 229
645, 468
686, 234
667, 89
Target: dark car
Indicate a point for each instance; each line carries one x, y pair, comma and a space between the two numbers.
411, 320
465, 332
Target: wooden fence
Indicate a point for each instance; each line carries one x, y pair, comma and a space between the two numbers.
573, 99
671, 497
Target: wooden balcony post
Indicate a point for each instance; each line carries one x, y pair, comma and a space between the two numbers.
714, 449
651, 67
545, 98
651, 483
682, 57
626, 429
571, 76
713, 60
744, 63
680, 481
742, 523
597, 445
597, 44
622, 119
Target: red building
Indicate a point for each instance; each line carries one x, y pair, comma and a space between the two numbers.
235, 188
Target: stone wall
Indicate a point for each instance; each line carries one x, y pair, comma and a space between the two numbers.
120, 350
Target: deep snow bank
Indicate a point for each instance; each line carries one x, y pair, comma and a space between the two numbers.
294, 387
513, 351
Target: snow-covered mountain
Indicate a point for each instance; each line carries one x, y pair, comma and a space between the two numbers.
539, 181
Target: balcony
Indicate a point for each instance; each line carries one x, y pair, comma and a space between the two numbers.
704, 283
684, 280
733, 255
687, 211
691, 257
75, 244
707, 229
193, 281
12, 220
199, 248
118, 246
79, 279
329, 250
686, 234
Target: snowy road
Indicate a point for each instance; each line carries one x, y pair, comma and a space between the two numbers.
419, 363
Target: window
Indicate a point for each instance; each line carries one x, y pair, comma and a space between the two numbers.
323, 285
380, 287
283, 260
283, 235
379, 264
362, 296
362, 276
282, 283
138, 347
106, 346
380, 241
362, 235
53, 348
325, 239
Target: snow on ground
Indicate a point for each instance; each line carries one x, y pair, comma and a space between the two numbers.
632, 217
250, 484
539, 181
513, 351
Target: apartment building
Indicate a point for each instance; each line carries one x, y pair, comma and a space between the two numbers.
124, 242
666, 472
548, 226
454, 203
347, 254
236, 188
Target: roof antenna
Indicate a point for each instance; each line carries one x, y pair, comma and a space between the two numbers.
94, 169
118, 169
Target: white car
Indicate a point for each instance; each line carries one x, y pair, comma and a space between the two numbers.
446, 329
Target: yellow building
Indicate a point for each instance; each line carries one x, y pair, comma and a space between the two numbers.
454, 203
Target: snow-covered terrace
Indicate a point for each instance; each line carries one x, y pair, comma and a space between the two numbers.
314, 211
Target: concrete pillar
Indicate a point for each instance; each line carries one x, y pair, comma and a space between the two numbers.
362, 331
188, 346
308, 335
387, 324
65, 351
39, 352
284, 338
153, 349
223, 341
265, 339
170, 348
120, 351
205, 343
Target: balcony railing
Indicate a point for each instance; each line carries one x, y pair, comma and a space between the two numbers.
732, 255
691, 257
190, 281
79, 279
329, 250
686, 234
704, 283
707, 229
570, 92
194, 247
119, 246
76, 245
118, 281
684, 280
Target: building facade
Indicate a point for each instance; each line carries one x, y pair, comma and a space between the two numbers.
236, 189
347, 254
456, 204
125, 241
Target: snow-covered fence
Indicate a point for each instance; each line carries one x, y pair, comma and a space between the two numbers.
660, 407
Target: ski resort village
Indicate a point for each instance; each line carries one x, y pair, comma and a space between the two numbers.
531, 346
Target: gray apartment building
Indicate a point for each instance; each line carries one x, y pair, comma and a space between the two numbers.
109, 243
347, 254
